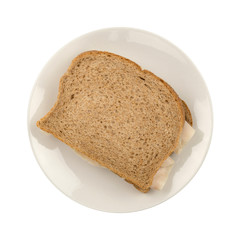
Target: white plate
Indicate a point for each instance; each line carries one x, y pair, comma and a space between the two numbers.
96, 187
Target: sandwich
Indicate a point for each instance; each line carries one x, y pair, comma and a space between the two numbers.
120, 116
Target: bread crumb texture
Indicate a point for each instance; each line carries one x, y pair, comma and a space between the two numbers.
125, 118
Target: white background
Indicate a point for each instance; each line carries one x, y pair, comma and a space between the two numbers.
32, 31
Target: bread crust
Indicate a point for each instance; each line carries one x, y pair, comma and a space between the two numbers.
81, 151
188, 115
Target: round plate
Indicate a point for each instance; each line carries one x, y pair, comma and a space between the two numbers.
96, 187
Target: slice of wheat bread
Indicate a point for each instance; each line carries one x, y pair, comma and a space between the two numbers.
125, 118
